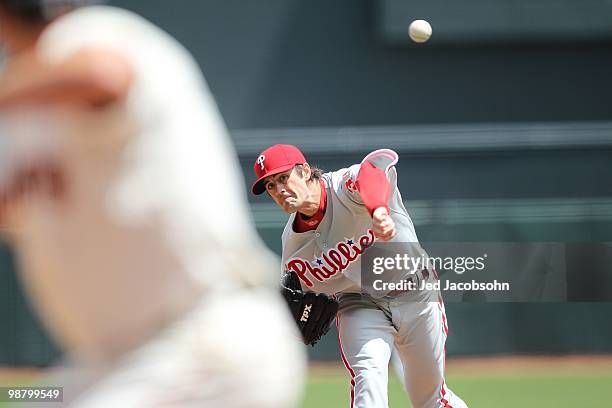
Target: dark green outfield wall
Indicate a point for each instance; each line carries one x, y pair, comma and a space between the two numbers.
294, 63
289, 68
475, 328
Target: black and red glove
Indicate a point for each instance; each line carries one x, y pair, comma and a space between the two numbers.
313, 313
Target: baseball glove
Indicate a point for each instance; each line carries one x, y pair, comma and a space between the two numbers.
313, 313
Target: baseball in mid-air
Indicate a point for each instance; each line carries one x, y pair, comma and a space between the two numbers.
419, 31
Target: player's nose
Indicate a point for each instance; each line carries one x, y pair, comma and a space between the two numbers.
280, 189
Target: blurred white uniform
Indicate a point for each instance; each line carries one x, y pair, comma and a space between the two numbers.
150, 267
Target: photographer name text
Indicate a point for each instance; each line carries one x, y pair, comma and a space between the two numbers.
437, 285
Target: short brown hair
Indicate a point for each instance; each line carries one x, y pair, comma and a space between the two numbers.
28, 12
42, 11
315, 172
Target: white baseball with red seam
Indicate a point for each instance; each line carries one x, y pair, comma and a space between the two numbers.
419, 31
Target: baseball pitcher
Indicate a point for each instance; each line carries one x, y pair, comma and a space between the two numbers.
335, 218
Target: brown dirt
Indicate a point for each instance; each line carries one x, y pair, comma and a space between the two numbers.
505, 365
509, 365
463, 366
18, 375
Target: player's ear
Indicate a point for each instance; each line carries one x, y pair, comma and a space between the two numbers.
306, 171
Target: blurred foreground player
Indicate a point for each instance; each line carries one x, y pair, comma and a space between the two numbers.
158, 285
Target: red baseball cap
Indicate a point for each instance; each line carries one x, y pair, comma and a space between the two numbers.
274, 160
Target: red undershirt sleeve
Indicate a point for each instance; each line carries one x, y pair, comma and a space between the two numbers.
373, 187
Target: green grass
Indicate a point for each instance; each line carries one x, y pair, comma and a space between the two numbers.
545, 390
500, 385
332, 390
541, 391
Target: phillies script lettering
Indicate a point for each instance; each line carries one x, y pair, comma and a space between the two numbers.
334, 261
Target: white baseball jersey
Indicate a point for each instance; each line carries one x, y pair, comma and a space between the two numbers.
328, 259
142, 233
